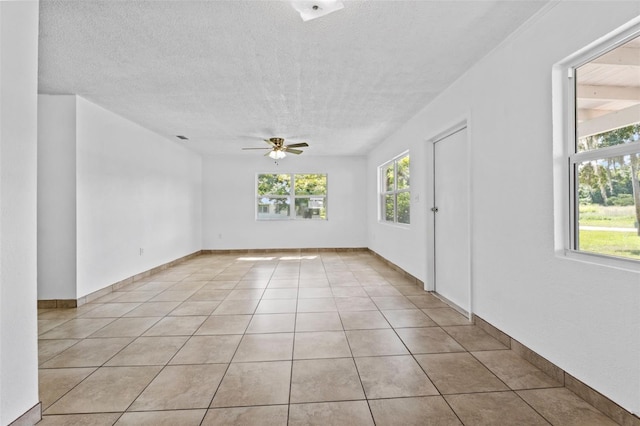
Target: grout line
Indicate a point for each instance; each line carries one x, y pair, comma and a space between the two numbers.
361, 269
163, 367
532, 407
209, 406
293, 350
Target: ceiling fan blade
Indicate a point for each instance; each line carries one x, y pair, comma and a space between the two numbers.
269, 142
297, 145
267, 154
255, 148
293, 151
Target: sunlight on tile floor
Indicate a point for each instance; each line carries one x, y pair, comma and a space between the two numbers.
277, 339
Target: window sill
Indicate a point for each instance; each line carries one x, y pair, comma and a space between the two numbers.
600, 260
292, 220
395, 224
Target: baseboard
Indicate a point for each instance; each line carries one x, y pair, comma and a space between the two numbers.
452, 305
285, 250
30, 418
57, 303
396, 268
492, 331
590, 395
584, 391
412, 279
74, 303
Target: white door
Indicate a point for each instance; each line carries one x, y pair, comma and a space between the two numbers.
451, 219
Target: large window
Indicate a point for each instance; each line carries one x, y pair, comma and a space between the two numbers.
604, 157
395, 195
291, 196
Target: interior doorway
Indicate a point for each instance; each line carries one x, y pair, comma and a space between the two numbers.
451, 224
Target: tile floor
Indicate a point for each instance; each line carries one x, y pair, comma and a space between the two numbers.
277, 339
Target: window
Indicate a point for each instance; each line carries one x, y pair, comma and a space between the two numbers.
395, 195
604, 156
291, 196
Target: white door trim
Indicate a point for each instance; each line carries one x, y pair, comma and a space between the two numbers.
431, 285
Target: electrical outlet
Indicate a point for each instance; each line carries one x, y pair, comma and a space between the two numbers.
141, 251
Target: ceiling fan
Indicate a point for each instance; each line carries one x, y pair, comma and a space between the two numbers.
279, 150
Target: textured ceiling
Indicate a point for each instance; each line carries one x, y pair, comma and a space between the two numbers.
228, 73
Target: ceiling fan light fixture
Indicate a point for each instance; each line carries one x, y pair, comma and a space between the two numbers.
277, 155
309, 10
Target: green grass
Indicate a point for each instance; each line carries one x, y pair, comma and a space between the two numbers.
608, 216
621, 244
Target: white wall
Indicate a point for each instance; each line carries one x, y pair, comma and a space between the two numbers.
583, 317
18, 159
229, 187
135, 190
56, 197
401, 244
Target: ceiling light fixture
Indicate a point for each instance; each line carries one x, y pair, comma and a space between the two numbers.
277, 154
315, 9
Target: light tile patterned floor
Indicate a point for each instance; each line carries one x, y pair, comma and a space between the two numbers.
277, 339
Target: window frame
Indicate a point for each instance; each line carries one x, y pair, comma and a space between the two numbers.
566, 154
292, 197
383, 193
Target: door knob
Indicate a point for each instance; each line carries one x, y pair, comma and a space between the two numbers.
434, 209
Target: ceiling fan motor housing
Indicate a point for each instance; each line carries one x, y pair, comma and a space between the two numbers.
278, 142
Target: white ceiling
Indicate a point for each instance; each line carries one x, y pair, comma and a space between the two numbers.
228, 73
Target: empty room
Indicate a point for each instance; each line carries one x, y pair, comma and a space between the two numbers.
320, 212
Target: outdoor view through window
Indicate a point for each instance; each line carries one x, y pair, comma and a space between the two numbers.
395, 196
606, 158
291, 196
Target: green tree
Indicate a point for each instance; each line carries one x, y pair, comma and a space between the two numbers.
635, 185
404, 207
274, 184
275, 188
403, 172
311, 184
612, 177
403, 199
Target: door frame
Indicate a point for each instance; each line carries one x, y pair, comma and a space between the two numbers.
458, 126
